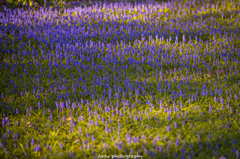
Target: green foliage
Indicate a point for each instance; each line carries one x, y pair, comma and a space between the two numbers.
47, 127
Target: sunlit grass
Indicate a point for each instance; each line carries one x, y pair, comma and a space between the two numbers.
157, 79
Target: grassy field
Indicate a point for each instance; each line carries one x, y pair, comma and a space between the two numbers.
149, 79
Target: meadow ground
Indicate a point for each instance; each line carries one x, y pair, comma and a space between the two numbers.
96, 79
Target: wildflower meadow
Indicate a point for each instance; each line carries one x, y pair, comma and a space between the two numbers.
120, 79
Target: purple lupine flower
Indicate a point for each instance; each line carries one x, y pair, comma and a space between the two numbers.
27, 145
71, 123
67, 105
143, 138
39, 104
147, 126
221, 100
73, 105
175, 125
129, 140
181, 105
60, 145
209, 136
199, 135
120, 145
35, 148
178, 115
148, 116
106, 128
136, 92
79, 105
121, 115
136, 117
92, 137
3, 122
62, 105
32, 141
236, 96
2, 145
4, 136
168, 128
145, 150
168, 117
177, 142
210, 109
110, 93
15, 136
79, 130
87, 135
131, 151
16, 122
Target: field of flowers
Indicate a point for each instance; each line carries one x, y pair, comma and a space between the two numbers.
153, 79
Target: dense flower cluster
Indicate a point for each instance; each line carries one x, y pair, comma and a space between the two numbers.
127, 78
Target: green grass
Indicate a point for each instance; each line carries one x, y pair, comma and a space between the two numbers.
47, 127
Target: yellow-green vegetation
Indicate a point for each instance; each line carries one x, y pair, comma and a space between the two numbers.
157, 79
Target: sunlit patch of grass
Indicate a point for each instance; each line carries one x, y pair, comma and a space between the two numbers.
62, 90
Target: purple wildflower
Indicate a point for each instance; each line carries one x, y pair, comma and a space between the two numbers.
120, 145
131, 151
168, 117
168, 128
175, 125
27, 145
56, 104
177, 142
17, 111
32, 141
60, 145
